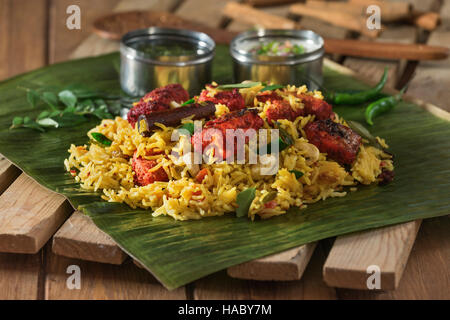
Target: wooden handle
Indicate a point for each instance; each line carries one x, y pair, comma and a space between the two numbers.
426, 20
268, 3
392, 51
247, 14
337, 18
390, 11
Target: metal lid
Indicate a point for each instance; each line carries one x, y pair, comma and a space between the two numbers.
239, 47
201, 43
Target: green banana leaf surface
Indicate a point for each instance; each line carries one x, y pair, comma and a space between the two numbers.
180, 252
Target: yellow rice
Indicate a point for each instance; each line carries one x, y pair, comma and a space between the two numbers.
109, 169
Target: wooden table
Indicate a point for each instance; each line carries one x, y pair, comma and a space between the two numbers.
34, 34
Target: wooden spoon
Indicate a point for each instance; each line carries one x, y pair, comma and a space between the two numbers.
114, 26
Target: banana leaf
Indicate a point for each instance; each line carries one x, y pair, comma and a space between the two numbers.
180, 252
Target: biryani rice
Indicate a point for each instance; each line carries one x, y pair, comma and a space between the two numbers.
109, 169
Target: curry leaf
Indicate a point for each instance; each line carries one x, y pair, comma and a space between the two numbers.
48, 122
68, 98
238, 85
244, 200
189, 126
269, 196
298, 174
272, 87
32, 97
51, 99
190, 101
101, 138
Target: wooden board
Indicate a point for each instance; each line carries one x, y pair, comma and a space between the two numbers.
284, 266
310, 286
373, 69
8, 173
80, 238
432, 80
94, 45
17, 19
427, 274
103, 281
29, 216
20, 276
387, 248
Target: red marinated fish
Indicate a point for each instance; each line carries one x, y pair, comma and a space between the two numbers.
281, 109
241, 119
157, 100
232, 99
338, 141
318, 107
142, 175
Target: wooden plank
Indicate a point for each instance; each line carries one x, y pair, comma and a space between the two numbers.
19, 276
103, 282
209, 14
95, 45
80, 238
427, 275
20, 50
432, 80
445, 15
281, 11
284, 266
8, 173
373, 68
351, 255
220, 286
22, 36
59, 47
352, 273
29, 216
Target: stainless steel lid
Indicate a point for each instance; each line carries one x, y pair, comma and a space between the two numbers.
240, 46
201, 43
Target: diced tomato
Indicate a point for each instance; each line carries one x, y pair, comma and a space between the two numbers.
271, 204
201, 175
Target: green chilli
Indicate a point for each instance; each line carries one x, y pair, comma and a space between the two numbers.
382, 106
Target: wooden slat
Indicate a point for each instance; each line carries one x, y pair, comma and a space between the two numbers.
95, 45
427, 275
284, 266
59, 47
22, 48
29, 216
373, 68
80, 238
8, 173
281, 11
351, 255
432, 79
103, 282
19, 276
287, 265
220, 286
209, 14
22, 36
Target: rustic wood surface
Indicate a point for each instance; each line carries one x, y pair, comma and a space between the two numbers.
43, 275
80, 238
